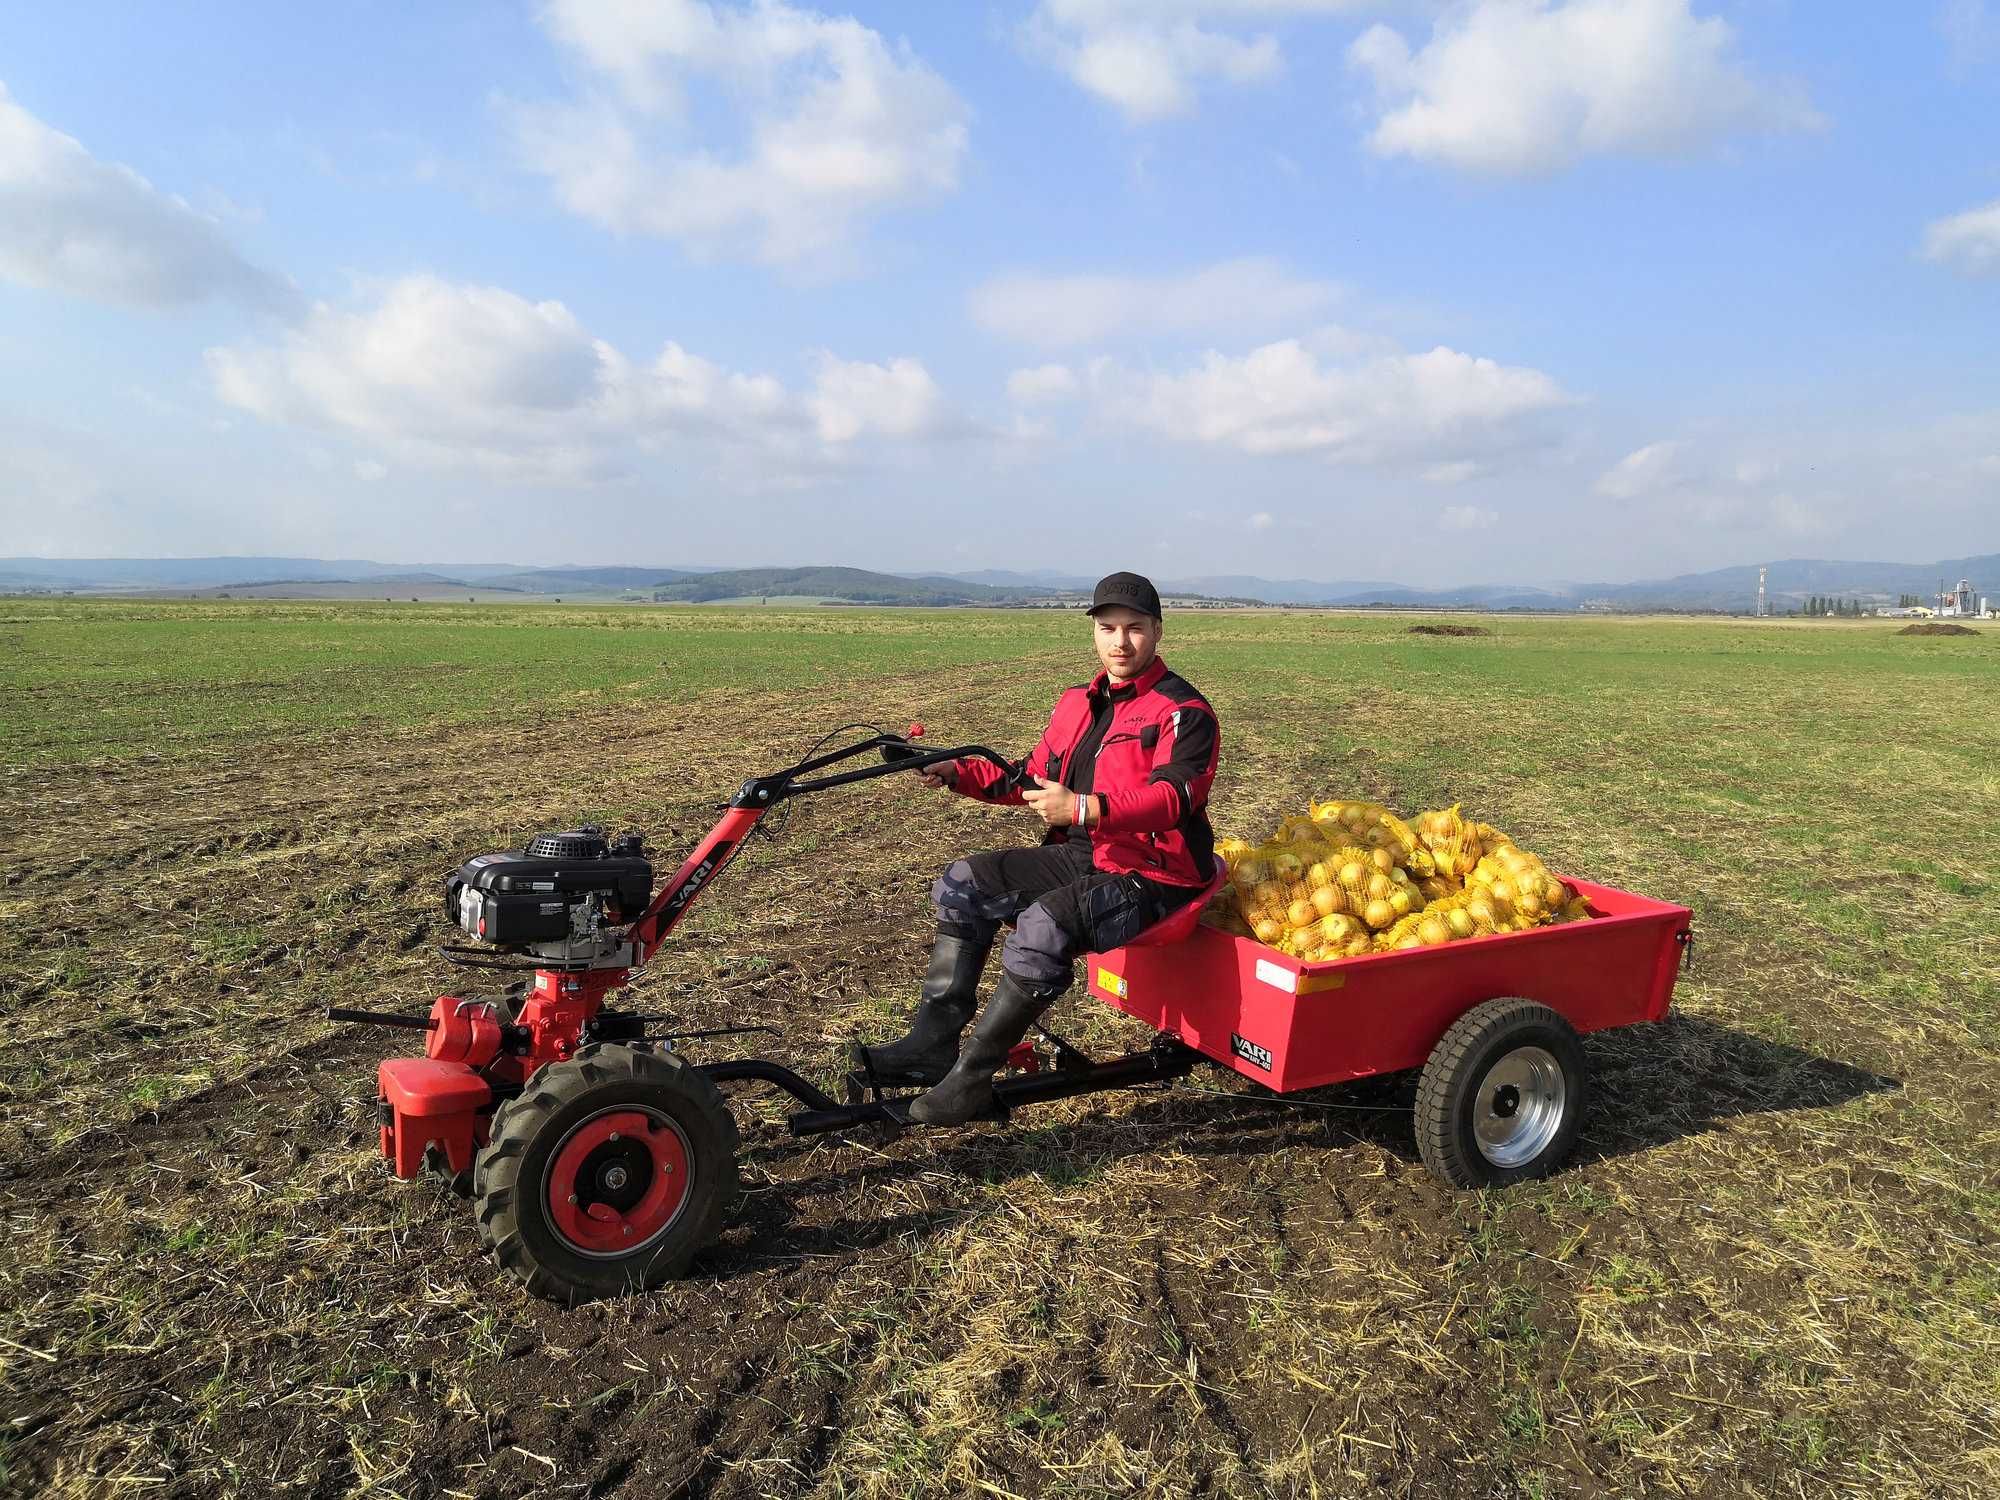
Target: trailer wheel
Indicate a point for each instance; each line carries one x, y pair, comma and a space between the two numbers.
1502, 1096
607, 1173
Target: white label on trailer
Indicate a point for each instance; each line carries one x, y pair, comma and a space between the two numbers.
1277, 976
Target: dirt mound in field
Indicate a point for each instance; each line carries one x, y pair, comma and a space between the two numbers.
1937, 627
1449, 630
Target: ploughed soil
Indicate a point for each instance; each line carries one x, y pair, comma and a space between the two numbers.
1759, 1276
1937, 627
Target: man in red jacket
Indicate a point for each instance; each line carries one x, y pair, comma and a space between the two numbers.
1120, 780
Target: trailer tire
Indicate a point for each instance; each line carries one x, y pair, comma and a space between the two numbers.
607, 1173
1501, 1098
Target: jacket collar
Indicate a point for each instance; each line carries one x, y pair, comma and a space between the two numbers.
1144, 682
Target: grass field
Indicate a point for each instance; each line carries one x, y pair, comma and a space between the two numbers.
1772, 1269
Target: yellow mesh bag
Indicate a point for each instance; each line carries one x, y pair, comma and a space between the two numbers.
1351, 866
1329, 900
1458, 922
1341, 931
1480, 909
1452, 842
1377, 912
1361, 868
1250, 871
1400, 934
1412, 854
1226, 913
1343, 822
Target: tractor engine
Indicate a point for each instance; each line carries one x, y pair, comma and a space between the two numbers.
561, 898
564, 904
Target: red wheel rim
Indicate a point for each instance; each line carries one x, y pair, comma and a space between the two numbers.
617, 1181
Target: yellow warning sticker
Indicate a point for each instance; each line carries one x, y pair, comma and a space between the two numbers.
1110, 983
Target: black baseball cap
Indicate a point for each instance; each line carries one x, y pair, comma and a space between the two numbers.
1128, 591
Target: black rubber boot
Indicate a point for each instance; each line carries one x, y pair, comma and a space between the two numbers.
949, 997
967, 1090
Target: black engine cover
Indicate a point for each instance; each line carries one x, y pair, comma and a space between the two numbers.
527, 897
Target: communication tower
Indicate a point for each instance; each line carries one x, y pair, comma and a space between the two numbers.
1763, 608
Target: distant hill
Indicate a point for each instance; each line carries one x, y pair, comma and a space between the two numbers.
125, 574
590, 580
856, 585
1040, 578
184, 572
1790, 583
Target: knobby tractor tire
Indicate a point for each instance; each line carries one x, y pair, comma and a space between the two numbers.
542, 1143
1501, 1098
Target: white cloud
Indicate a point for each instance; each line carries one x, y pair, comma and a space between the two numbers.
1468, 518
1287, 398
897, 399
446, 374
370, 470
1531, 86
1230, 297
1263, 520
1968, 243
1042, 383
1644, 472
72, 223
1146, 57
1969, 31
1456, 472
823, 123
1667, 480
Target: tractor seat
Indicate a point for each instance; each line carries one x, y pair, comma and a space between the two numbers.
1179, 924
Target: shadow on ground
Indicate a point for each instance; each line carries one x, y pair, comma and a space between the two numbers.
1650, 1086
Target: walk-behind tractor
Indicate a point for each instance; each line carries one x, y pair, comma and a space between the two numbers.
600, 1160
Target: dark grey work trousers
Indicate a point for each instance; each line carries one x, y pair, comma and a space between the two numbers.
1061, 906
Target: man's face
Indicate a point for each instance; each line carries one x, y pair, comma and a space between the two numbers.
1127, 641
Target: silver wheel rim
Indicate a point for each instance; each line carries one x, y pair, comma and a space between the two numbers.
1518, 1107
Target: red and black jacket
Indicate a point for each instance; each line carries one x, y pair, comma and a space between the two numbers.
1150, 772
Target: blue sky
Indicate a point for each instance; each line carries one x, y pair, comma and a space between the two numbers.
1444, 292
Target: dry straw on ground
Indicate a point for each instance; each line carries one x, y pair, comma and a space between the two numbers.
1770, 1271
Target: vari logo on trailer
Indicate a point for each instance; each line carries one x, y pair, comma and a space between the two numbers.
1250, 1052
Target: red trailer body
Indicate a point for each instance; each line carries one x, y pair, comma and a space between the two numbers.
1290, 1024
